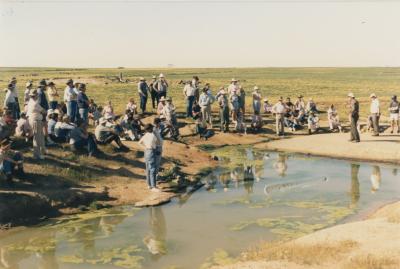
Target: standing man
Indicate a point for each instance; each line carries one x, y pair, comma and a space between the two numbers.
233, 87
375, 113
10, 102
394, 114
13, 82
83, 103
189, 92
223, 103
353, 116
71, 99
161, 85
153, 92
28, 88
41, 91
204, 102
279, 109
35, 113
52, 94
143, 89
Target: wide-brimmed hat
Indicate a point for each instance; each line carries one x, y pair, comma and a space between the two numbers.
161, 75
33, 92
154, 77
300, 96
168, 99
373, 95
265, 100
234, 80
256, 88
69, 81
28, 84
162, 99
142, 79
350, 95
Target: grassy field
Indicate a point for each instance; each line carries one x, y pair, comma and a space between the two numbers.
325, 85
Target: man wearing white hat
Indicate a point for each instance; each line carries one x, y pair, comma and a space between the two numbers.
353, 117
161, 85
233, 87
35, 113
375, 113
143, 90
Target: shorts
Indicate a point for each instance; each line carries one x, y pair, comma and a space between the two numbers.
394, 116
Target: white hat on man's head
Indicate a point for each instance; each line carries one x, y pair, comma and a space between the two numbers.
350, 95
256, 88
234, 80
373, 95
161, 75
29, 83
162, 99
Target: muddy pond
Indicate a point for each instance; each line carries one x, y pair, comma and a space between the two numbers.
253, 196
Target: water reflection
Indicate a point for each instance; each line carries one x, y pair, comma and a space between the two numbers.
375, 178
155, 240
355, 185
280, 165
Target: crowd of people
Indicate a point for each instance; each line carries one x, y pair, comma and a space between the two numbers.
48, 117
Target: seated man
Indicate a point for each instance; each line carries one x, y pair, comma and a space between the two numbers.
267, 106
81, 140
7, 125
313, 122
106, 135
11, 162
62, 130
23, 128
256, 122
131, 125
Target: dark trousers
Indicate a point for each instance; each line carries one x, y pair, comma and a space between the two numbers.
162, 94
88, 143
189, 106
8, 168
53, 104
143, 101
375, 123
154, 99
355, 136
224, 118
110, 138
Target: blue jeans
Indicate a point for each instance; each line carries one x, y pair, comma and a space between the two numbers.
143, 101
72, 110
151, 167
8, 167
83, 113
53, 104
189, 106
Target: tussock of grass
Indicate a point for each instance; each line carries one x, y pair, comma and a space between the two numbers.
300, 254
372, 262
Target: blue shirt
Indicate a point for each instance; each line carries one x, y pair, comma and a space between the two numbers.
83, 100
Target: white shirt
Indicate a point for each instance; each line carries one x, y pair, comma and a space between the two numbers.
10, 97
279, 108
70, 94
233, 88
148, 141
374, 106
189, 90
34, 110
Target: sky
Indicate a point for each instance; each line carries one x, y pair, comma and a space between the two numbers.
199, 33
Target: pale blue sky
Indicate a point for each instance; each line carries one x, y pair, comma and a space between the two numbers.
140, 34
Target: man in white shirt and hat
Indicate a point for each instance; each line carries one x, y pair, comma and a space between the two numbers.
189, 92
279, 109
161, 85
71, 99
233, 87
375, 113
35, 113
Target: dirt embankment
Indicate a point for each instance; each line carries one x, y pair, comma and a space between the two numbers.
368, 244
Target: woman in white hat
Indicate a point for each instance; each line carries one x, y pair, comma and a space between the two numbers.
35, 113
256, 100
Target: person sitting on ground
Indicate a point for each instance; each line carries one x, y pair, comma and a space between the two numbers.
11, 162
106, 135
161, 105
267, 106
149, 142
137, 125
62, 129
52, 119
82, 140
108, 111
96, 115
394, 114
131, 125
333, 119
256, 122
23, 128
7, 124
291, 121
311, 106
196, 111
313, 123
131, 106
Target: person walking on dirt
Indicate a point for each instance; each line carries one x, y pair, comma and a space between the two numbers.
353, 117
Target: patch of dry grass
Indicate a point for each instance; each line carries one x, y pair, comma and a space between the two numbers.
300, 254
372, 262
